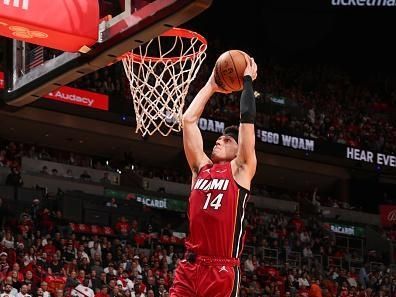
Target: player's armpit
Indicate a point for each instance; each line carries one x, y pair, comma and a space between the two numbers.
246, 157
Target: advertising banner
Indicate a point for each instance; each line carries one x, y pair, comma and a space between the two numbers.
346, 229
388, 215
150, 201
1, 80
80, 97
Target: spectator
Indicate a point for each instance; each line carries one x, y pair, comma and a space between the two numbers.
85, 176
315, 290
39, 292
9, 291
363, 276
105, 179
61, 223
44, 155
8, 240
82, 290
123, 227
14, 178
104, 292
4, 266
69, 173
34, 210
112, 203
59, 293
249, 267
167, 230
44, 287
56, 266
23, 292
3, 213
44, 170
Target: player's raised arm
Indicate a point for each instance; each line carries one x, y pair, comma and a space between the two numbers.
246, 157
192, 137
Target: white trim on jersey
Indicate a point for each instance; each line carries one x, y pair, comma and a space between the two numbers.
241, 224
237, 281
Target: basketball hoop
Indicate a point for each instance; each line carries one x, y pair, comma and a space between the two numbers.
159, 74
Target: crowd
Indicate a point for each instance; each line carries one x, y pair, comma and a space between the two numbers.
320, 102
11, 154
316, 101
285, 255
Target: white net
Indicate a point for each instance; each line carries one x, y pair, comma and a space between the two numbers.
159, 74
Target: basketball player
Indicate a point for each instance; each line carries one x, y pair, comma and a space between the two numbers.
219, 193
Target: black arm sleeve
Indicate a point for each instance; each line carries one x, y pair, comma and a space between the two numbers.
248, 102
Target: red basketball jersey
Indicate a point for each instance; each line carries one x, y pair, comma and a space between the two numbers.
216, 213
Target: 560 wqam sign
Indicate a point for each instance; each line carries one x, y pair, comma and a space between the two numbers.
298, 143
263, 135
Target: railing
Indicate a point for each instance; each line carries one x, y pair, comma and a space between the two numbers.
294, 259
249, 250
351, 244
318, 259
376, 266
271, 256
334, 262
392, 268
356, 264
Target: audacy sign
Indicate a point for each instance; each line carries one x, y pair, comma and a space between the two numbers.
363, 2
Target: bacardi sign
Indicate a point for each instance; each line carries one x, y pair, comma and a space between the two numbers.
80, 97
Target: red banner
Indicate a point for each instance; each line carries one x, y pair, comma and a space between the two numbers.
388, 215
80, 97
1, 80
62, 24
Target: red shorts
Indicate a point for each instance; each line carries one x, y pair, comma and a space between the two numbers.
206, 277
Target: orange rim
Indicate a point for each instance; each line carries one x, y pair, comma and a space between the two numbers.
174, 32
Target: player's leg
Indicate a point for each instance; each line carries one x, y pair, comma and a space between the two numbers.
184, 283
218, 281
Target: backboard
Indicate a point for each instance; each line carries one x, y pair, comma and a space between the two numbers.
30, 71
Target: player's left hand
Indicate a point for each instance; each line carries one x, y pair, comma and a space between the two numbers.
251, 68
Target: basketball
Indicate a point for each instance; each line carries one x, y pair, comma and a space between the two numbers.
229, 70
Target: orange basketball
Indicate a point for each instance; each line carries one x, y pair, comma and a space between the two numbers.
229, 70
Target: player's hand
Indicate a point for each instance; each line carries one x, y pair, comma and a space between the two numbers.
214, 86
251, 68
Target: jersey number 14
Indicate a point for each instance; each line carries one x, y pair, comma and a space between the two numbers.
215, 203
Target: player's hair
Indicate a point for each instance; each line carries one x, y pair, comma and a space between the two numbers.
232, 131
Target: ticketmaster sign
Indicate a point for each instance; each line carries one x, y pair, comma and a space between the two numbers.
367, 3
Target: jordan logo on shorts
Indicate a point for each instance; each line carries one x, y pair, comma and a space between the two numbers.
223, 268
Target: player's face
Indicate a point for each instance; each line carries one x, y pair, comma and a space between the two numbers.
225, 149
